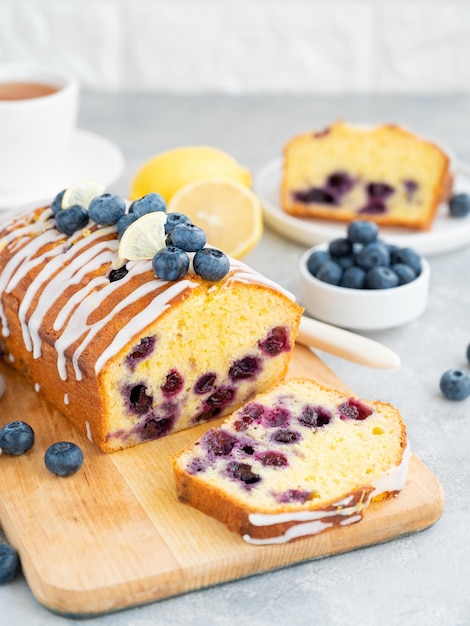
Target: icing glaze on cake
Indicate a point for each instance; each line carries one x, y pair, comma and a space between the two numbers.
342, 513
70, 303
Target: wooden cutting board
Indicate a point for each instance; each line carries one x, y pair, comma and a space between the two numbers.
114, 535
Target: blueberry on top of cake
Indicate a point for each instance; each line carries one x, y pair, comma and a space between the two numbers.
129, 338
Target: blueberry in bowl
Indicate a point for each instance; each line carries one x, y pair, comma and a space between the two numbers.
455, 384
362, 282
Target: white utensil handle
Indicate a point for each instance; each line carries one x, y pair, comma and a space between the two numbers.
346, 344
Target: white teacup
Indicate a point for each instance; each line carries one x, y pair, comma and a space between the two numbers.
38, 114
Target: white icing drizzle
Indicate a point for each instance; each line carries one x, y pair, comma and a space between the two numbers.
152, 311
350, 520
16, 217
66, 398
300, 530
77, 325
78, 296
263, 519
395, 478
56, 275
30, 264
68, 261
344, 501
313, 522
37, 387
88, 431
23, 261
20, 233
243, 273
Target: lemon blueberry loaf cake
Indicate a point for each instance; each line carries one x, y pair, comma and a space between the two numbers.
127, 352
385, 174
295, 461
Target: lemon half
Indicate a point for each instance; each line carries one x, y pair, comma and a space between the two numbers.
228, 212
169, 171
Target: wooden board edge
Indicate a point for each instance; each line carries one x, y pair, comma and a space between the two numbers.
105, 600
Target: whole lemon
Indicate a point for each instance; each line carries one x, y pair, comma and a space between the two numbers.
169, 171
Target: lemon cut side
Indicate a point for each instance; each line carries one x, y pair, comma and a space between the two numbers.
82, 193
228, 212
143, 238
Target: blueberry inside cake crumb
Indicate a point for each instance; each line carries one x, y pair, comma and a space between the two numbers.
295, 453
151, 330
383, 173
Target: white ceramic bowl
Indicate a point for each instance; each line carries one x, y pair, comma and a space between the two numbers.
362, 309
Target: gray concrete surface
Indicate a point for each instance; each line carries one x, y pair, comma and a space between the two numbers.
419, 580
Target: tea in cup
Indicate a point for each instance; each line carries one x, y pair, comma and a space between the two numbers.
38, 115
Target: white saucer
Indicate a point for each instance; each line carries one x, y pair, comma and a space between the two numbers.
447, 234
90, 156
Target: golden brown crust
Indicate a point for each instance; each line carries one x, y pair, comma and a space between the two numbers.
84, 395
236, 516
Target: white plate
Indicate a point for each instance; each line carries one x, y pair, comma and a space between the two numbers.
447, 233
90, 156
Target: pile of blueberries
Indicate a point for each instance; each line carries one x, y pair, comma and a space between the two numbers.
170, 263
455, 383
63, 459
363, 261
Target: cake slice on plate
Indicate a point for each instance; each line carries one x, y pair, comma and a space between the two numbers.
384, 173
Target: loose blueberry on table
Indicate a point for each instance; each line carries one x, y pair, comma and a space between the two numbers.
9, 563
455, 384
16, 438
63, 458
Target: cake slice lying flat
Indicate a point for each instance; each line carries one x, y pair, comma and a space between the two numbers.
295, 461
385, 174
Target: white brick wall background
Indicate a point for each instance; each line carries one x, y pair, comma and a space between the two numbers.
246, 46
